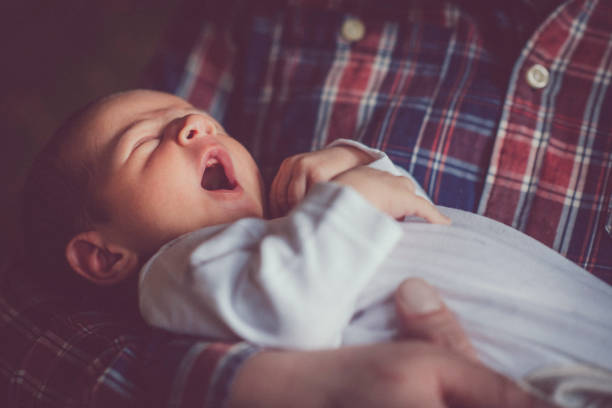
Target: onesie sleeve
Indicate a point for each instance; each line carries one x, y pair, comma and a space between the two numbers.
290, 282
382, 162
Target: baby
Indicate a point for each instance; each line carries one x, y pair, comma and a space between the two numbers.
166, 195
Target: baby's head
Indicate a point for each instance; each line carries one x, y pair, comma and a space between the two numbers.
127, 174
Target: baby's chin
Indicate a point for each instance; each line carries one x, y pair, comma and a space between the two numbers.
257, 205
249, 208
257, 210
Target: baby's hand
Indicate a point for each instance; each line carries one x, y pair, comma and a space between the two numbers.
297, 174
391, 194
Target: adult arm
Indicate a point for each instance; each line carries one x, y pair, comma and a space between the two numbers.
386, 375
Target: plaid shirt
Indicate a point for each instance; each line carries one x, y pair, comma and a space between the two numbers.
452, 93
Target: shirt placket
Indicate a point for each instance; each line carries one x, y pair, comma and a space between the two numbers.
538, 172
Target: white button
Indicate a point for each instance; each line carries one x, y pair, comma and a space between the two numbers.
353, 29
609, 223
537, 76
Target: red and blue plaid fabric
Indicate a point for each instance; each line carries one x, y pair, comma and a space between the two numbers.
440, 87
56, 355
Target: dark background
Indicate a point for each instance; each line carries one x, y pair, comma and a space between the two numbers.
56, 55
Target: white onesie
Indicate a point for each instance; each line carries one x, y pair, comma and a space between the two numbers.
324, 276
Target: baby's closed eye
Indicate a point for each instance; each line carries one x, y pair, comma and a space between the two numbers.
151, 138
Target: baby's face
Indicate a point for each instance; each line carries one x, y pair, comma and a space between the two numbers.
164, 168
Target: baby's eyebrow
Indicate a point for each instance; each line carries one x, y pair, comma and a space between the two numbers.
132, 127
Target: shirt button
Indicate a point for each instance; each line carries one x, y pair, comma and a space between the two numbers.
609, 223
537, 76
353, 29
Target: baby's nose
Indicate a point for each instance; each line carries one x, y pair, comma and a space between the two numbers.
192, 126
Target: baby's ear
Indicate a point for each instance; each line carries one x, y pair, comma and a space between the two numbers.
99, 261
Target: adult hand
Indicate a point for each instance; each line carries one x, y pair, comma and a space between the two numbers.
297, 174
424, 316
387, 375
405, 374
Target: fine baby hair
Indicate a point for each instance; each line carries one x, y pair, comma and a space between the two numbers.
56, 204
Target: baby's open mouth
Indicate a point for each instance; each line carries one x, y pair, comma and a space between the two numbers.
215, 176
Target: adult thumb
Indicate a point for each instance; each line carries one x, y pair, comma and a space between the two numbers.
423, 314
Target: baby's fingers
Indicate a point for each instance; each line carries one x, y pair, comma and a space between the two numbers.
296, 190
424, 209
289, 186
278, 190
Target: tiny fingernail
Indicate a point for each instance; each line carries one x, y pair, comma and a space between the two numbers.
418, 297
